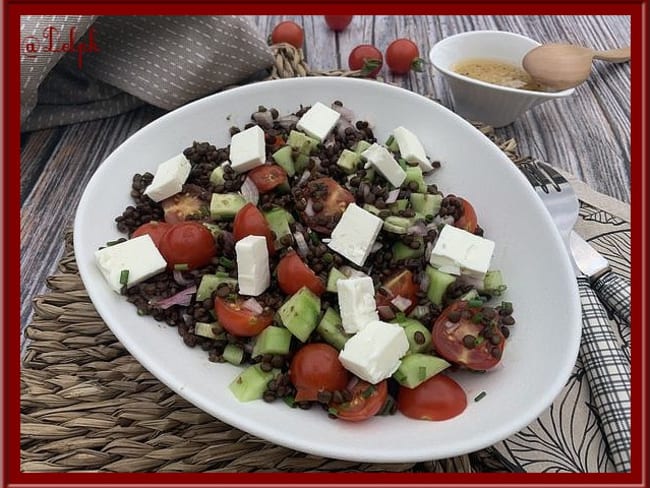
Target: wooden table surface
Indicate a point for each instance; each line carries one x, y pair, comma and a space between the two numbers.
587, 134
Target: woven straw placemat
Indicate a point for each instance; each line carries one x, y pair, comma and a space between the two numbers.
88, 405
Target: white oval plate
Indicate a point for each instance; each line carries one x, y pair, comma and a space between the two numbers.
539, 355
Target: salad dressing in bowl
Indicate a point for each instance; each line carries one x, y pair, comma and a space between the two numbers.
497, 72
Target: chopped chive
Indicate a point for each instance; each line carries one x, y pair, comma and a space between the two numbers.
116, 241
289, 400
314, 238
390, 140
422, 373
479, 340
226, 263
480, 396
368, 391
333, 411
477, 318
124, 277
506, 308
181, 267
475, 302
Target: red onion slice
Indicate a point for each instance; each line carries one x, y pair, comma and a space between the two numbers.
303, 177
180, 279
252, 305
385, 312
392, 196
345, 112
183, 297
418, 229
309, 208
250, 192
303, 249
401, 303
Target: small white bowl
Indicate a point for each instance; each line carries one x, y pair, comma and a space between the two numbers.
479, 101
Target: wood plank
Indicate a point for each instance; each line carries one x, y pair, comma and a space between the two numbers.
49, 207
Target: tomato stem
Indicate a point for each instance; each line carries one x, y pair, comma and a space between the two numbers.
418, 65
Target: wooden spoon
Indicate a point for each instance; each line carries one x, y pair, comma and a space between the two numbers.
563, 66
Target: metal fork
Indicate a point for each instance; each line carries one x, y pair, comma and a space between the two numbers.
606, 367
557, 194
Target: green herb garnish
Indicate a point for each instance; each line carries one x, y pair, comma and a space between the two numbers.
124, 277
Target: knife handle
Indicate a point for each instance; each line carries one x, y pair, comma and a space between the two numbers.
608, 373
614, 291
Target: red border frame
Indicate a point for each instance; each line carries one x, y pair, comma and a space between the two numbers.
10, 474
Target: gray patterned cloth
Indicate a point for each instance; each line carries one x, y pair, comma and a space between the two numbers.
126, 61
576, 434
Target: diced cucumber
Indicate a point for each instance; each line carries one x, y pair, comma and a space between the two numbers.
233, 354
391, 144
402, 251
411, 327
361, 146
216, 177
426, 203
397, 225
331, 329
416, 368
272, 340
302, 142
209, 284
493, 283
333, 276
213, 228
371, 208
470, 295
210, 330
301, 163
277, 219
224, 206
251, 383
348, 161
300, 313
414, 173
284, 158
398, 205
438, 283
418, 335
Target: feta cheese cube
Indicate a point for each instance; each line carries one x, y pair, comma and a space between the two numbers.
411, 149
247, 149
138, 256
460, 252
381, 158
318, 121
355, 234
253, 273
374, 353
356, 302
169, 178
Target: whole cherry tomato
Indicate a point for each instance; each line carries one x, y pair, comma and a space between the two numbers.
249, 221
403, 55
188, 244
367, 58
338, 22
288, 32
315, 368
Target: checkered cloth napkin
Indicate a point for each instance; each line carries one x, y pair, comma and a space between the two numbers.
79, 68
608, 372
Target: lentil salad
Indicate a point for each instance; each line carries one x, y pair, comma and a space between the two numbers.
307, 198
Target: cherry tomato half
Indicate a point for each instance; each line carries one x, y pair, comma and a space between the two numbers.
333, 205
187, 244
398, 284
449, 336
315, 368
403, 55
468, 221
240, 321
438, 398
249, 221
338, 22
155, 230
267, 177
288, 32
182, 206
367, 58
293, 274
367, 400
